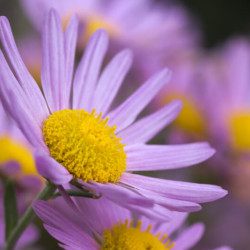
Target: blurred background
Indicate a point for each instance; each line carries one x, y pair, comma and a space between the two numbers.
221, 31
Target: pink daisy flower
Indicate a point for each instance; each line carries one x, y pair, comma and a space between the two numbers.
104, 225
78, 136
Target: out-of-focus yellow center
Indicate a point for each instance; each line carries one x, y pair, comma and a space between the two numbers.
85, 144
124, 236
190, 117
98, 22
11, 150
239, 128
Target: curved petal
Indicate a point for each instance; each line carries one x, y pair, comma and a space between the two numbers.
146, 128
111, 80
22, 75
58, 225
189, 237
127, 112
88, 70
51, 169
70, 39
16, 104
53, 66
171, 204
178, 190
161, 157
94, 209
130, 199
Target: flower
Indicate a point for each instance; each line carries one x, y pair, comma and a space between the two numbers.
226, 100
158, 34
81, 138
227, 79
102, 224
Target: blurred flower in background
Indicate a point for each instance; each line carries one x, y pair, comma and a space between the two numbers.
16, 162
159, 35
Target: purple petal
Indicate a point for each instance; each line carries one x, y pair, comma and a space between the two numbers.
70, 38
94, 209
57, 222
179, 190
129, 199
189, 237
127, 112
174, 224
53, 67
111, 80
171, 204
88, 70
119, 194
71, 240
51, 169
147, 127
160, 157
16, 104
23, 77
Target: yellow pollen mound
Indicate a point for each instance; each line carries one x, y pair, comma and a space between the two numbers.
12, 150
239, 125
126, 237
85, 144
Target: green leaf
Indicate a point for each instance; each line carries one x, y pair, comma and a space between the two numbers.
10, 208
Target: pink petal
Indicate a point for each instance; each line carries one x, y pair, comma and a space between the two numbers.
127, 112
179, 190
161, 157
22, 75
146, 128
189, 237
53, 67
70, 39
51, 169
111, 80
88, 70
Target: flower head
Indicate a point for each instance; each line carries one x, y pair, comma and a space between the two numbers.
80, 137
101, 224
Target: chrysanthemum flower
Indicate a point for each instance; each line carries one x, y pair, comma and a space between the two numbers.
105, 225
227, 83
159, 34
226, 79
78, 137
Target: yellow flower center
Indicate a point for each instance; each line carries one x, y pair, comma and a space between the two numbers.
239, 128
96, 22
85, 144
14, 151
126, 237
190, 118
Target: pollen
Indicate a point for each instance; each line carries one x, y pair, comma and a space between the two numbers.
239, 124
123, 236
85, 145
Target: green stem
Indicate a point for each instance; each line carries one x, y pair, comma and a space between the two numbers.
26, 219
76, 193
